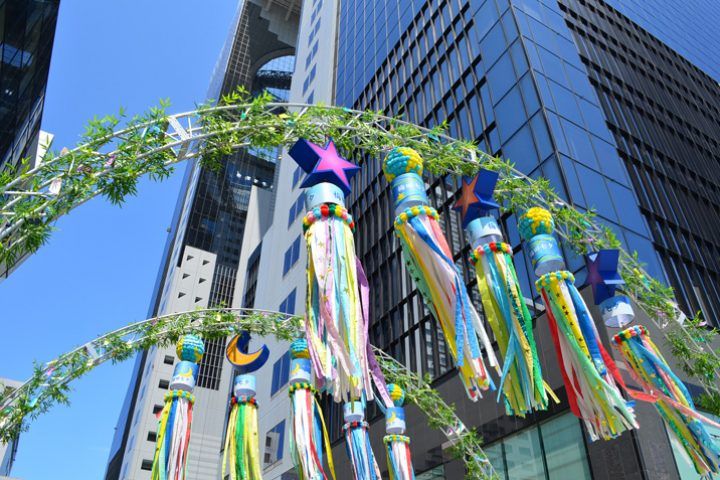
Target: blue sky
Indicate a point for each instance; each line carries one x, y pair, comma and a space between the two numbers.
97, 272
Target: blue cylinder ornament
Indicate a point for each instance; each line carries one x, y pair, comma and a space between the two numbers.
353, 412
617, 311
244, 386
483, 230
537, 227
324, 192
403, 169
300, 366
184, 376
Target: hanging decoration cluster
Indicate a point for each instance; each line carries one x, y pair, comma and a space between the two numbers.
309, 433
242, 445
431, 264
521, 382
173, 434
337, 308
397, 444
591, 377
672, 400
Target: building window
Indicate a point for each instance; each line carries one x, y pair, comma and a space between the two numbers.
308, 80
291, 255
157, 409
210, 367
296, 209
281, 373
274, 444
551, 449
311, 98
288, 305
169, 360
297, 176
164, 384
152, 437
146, 465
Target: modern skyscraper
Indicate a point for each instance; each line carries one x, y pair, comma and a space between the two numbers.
608, 106
27, 33
8, 450
199, 268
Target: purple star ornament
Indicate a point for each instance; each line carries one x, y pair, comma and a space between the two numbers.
603, 274
476, 197
323, 164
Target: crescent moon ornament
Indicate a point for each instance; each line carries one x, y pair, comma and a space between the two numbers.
237, 354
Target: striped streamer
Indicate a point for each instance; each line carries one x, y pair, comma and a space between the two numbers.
242, 448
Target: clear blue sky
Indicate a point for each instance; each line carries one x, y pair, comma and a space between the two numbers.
97, 272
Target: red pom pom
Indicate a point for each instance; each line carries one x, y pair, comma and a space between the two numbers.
324, 210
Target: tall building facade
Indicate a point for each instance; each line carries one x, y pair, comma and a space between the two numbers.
8, 450
599, 98
27, 33
200, 264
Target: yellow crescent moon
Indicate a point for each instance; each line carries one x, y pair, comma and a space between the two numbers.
236, 357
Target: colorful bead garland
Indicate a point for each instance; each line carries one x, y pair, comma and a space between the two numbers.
489, 247
301, 386
554, 277
628, 333
243, 400
349, 425
387, 439
326, 211
412, 212
180, 394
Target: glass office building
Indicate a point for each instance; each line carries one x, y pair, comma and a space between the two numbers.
569, 90
27, 33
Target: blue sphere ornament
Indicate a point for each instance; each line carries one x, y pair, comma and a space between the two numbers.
190, 348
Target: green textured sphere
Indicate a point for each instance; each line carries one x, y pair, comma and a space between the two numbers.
190, 348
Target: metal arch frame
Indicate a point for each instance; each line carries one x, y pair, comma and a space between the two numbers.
186, 135
96, 352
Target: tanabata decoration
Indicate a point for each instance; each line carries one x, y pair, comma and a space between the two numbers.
672, 400
521, 383
591, 377
397, 444
357, 442
242, 445
306, 420
430, 262
173, 435
604, 278
336, 320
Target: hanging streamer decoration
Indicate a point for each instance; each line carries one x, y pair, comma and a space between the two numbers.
431, 264
336, 318
357, 443
307, 423
173, 437
242, 447
397, 444
591, 377
604, 278
672, 400
521, 382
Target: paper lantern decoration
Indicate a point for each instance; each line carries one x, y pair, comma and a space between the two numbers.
590, 375
672, 400
397, 444
431, 264
357, 442
173, 434
306, 419
337, 305
521, 383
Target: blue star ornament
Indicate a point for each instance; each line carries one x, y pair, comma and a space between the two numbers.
603, 274
476, 197
323, 164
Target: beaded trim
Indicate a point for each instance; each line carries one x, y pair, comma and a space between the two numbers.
243, 400
172, 394
488, 247
412, 212
628, 333
327, 210
388, 439
350, 425
301, 386
553, 277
